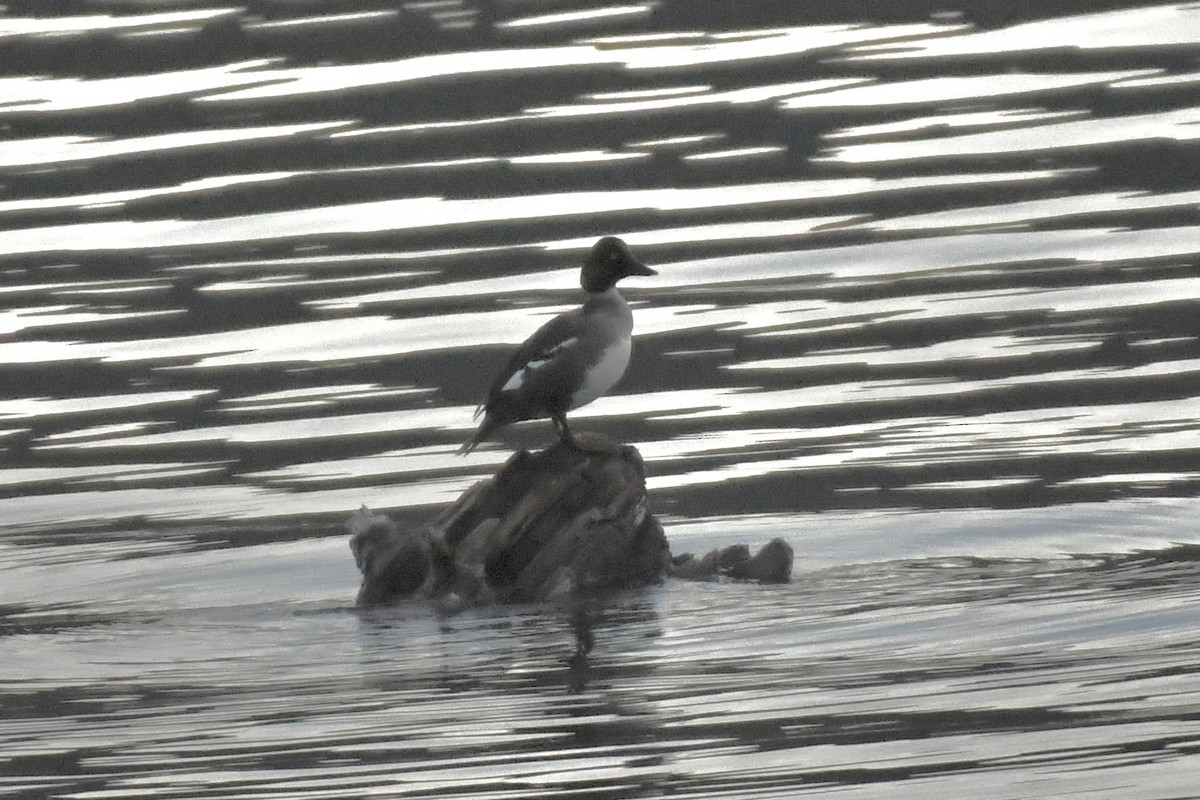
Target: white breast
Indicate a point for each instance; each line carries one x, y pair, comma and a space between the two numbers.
604, 374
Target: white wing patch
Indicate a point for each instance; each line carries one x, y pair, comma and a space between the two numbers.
517, 380
604, 374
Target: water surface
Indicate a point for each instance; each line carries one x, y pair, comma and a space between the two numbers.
927, 308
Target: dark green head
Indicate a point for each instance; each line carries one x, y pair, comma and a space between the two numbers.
608, 262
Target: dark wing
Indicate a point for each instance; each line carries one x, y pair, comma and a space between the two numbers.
545, 343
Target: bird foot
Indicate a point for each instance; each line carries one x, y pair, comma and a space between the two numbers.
585, 442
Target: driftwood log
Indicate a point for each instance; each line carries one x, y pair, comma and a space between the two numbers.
559, 524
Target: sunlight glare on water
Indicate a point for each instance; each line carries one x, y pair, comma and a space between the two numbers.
926, 309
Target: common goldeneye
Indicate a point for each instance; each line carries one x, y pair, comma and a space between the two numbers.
572, 359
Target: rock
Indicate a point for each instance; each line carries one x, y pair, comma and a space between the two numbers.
771, 564
553, 525
393, 563
560, 525
688, 567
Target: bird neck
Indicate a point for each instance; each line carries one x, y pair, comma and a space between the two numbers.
604, 298
611, 306
594, 283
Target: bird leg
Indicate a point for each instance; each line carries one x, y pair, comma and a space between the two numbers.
586, 442
563, 431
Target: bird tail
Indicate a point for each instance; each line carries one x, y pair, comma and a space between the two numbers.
485, 429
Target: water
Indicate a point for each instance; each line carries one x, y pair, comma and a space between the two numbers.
927, 308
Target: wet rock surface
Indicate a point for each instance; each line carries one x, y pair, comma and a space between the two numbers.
557, 524
771, 564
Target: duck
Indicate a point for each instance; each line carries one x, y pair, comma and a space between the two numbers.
574, 358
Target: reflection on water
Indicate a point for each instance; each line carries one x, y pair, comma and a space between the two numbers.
927, 308
918, 677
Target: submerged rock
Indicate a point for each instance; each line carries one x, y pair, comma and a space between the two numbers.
771, 564
393, 563
562, 523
